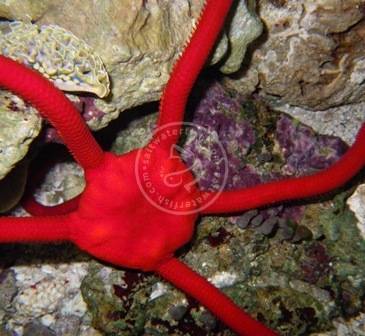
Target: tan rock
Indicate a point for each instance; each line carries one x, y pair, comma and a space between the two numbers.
19, 125
25, 10
139, 41
313, 56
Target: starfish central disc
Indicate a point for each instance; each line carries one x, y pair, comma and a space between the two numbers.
117, 223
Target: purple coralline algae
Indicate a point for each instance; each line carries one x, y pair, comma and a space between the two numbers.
231, 130
219, 116
88, 109
303, 150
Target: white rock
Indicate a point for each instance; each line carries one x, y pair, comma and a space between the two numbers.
223, 279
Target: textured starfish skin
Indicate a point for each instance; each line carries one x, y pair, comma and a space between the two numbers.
113, 221
148, 236
191, 62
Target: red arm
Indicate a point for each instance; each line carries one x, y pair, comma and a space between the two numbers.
53, 105
189, 65
212, 298
294, 188
34, 229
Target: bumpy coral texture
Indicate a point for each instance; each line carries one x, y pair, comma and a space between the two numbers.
56, 53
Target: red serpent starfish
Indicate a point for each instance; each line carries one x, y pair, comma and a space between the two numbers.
113, 220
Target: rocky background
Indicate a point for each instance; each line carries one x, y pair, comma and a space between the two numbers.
283, 91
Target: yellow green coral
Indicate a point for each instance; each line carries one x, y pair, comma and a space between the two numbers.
58, 54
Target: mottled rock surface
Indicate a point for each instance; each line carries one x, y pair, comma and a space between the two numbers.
19, 125
342, 121
357, 204
352, 327
64, 181
244, 28
139, 41
12, 186
25, 10
312, 54
42, 295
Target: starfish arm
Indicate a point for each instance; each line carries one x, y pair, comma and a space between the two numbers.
189, 65
53, 105
34, 229
293, 188
37, 209
181, 276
